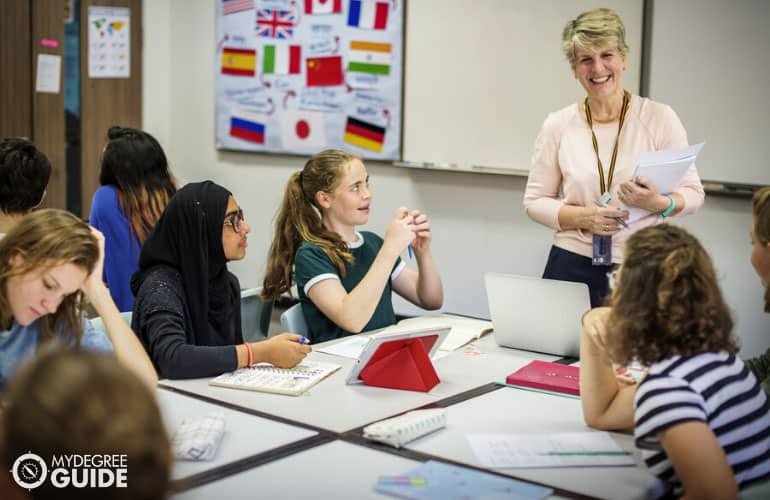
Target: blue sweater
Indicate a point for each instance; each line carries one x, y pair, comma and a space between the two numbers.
121, 248
20, 343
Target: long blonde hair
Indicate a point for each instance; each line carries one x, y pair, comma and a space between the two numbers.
44, 239
300, 219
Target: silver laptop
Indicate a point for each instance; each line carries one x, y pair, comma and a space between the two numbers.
536, 314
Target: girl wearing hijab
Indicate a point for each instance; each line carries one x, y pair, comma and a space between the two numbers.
187, 308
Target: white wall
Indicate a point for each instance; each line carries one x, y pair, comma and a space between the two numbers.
478, 220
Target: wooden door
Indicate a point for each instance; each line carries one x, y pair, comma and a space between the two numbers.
15, 69
105, 102
48, 109
29, 28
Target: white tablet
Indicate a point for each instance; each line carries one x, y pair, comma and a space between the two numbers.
378, 343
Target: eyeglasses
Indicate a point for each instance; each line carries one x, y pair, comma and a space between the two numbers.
235, 220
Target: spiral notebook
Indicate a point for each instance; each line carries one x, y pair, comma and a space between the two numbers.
264, 377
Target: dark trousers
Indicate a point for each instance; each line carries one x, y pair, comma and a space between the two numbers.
568, 266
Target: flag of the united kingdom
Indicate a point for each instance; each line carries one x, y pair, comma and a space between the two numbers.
274, 23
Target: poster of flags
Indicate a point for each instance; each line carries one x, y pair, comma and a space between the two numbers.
300, 76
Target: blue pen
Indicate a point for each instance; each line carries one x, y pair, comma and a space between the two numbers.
304, 340
409, 248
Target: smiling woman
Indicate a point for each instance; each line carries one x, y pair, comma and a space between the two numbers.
50, 263
583, 148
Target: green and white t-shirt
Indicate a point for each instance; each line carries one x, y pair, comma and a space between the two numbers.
312, 266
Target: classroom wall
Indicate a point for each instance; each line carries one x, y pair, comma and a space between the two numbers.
478, 219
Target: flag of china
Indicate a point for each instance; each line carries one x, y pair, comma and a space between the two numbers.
324, 71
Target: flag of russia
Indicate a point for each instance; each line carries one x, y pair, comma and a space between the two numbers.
248, 126
368, 15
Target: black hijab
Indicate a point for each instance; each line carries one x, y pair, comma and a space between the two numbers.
188, 237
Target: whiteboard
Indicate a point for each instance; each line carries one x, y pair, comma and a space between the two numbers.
710, 61
481, 76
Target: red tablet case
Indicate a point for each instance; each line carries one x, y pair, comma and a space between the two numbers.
547, 376
402, 364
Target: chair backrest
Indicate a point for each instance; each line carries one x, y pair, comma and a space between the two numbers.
255, 315
292, 320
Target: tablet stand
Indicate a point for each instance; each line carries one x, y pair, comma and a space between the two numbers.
401, 365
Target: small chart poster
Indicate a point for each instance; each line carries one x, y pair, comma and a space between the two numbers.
300, 76
109, 42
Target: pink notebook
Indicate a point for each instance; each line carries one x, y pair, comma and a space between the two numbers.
547, 376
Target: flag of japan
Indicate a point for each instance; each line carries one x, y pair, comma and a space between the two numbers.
303, 130
323, 6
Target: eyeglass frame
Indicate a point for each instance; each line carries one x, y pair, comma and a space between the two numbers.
234, 219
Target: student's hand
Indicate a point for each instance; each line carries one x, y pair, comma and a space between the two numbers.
595, 326
285, 350
642, 193
602, 220
400, 232
94, 279
422, 232
623, 375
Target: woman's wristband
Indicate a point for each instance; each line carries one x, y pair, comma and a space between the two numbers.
671, 206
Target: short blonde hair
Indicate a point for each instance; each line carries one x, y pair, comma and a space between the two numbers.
595, 28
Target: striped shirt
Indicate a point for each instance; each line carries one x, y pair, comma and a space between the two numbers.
715, 388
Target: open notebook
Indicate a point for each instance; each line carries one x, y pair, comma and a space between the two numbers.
464, 330
264, 377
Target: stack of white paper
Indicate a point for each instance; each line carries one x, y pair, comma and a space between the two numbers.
665, 169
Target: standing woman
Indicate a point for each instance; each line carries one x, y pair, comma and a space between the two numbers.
188, 305
50, 263
591, 147
135, 188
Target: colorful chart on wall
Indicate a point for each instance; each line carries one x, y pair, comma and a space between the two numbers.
299, 76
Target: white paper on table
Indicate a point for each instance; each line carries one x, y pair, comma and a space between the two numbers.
354, 346
349, 348
665, 169
48, 73
464, 330
532, 450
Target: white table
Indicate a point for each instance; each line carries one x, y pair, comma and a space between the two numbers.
333, 405
245, 435
336, 470
510, 410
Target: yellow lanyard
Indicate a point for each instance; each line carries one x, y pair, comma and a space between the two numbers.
626, 101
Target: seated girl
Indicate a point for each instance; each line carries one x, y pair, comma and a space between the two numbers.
135, 188
345, 277
760, 259
187, 310
699, 416
50, 262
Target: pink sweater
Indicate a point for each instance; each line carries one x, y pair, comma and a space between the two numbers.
564, 160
